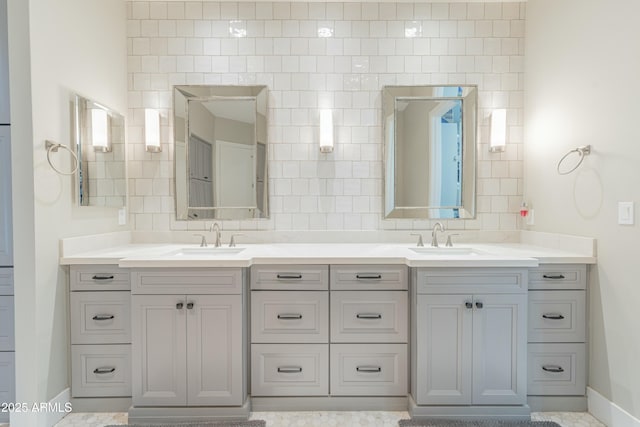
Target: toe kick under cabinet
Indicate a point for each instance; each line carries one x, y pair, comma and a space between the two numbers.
469, 342
328, 333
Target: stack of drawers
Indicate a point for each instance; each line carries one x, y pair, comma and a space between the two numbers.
309, 342
7, 341
557, 328
100, 331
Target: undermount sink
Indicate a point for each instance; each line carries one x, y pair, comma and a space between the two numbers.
207, 251
446, 251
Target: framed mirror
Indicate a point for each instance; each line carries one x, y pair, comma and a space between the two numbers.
99, 140
430, 151
220, 152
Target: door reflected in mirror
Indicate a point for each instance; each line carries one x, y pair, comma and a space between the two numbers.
430, 141
221, 152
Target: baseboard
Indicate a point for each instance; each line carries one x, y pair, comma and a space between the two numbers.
58, 407
608, 412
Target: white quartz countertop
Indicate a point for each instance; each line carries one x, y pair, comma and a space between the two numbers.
185, 255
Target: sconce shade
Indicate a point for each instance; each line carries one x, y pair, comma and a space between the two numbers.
326, 131
152, 131
100, 130
498, 131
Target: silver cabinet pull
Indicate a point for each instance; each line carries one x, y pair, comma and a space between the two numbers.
369, 369
365, 276
290, 316
289, 276
289, 369
553, 276
104, 370
468, 304
552, 368
190, 305
179, 306
101, 277
553, 316
99, 317
369, 316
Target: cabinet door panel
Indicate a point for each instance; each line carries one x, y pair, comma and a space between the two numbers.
444, 349
6, 227
214, 349
7, 381
7, 341
499, 343
159, 350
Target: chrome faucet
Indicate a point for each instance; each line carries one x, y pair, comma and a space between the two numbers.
215, 228
434, 236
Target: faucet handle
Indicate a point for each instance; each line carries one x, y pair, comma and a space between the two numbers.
203, 241
449, 243
232, 242
420, 242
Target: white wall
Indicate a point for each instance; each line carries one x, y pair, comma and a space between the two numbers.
55, 49
582, 87
189, 42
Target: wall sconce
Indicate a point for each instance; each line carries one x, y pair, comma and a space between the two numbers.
326, 131
152, 131
100, 130
498, 131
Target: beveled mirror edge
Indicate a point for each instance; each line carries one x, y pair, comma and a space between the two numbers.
468, 208
212, 92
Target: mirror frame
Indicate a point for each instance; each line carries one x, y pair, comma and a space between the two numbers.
80, 129
469, 98
182, 95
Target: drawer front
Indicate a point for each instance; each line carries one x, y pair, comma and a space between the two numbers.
99, 278
374, 277
101, 370
557, 369
558, 276
369, 370
289, 369
369, 316
7, 324
289, 316
6, 281
557, 316
200, 281
290, 277
471, 280
100, 317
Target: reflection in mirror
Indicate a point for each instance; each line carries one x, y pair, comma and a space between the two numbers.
99, 140
430, 147
221, 152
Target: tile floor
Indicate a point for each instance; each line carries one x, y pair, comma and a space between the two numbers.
326, 419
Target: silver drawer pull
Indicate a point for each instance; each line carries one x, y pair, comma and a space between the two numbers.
290, 369
369, 369
289, 276
369, 316
553, 276
101, 277
553, 316
552, 368
100, 317
368, 276
290, 316
99, 371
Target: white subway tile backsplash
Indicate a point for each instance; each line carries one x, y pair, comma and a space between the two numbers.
325, 55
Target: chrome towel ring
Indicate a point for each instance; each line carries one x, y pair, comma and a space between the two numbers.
53, 147
582, 151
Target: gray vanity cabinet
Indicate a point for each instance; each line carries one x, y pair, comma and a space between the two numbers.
469, 336
188, 337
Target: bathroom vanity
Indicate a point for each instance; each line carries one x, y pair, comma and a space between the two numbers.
467, 333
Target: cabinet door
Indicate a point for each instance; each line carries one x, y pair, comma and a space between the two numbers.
444, 350
4, 65
7, 381
214, 350
6, 227
499, 349
7, 342
159, 350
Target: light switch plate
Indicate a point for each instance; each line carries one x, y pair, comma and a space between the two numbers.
122, 216
625, 213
